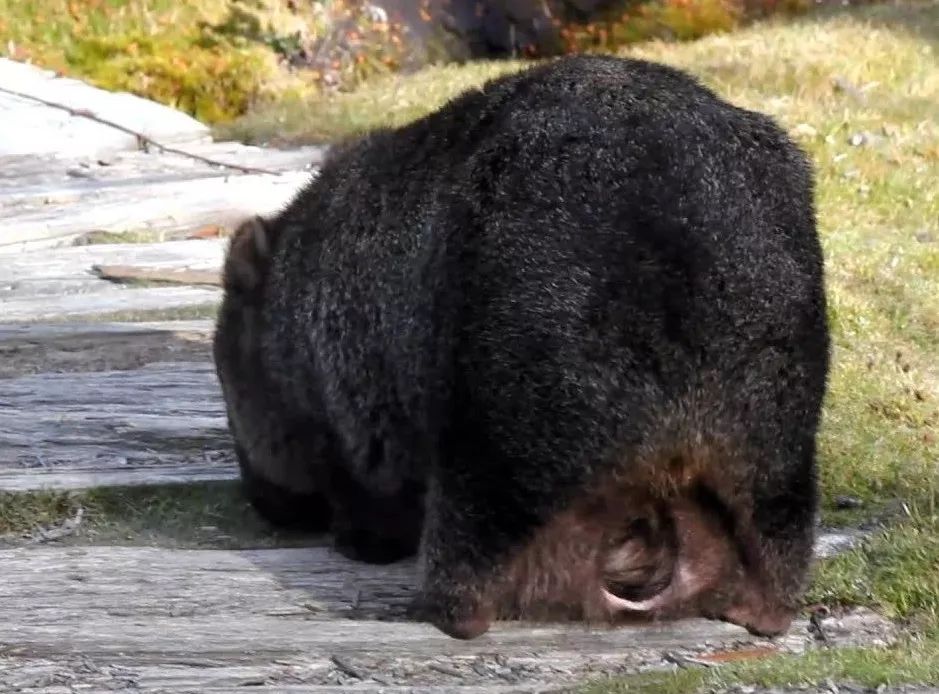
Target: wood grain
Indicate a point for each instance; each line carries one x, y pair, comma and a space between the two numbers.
218, 620
160, 423
61, 283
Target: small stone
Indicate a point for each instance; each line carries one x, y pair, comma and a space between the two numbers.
857, 139
848, 502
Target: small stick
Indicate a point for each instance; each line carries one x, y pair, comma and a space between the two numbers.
348, 668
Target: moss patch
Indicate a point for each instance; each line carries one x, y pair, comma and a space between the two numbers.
214, 83
209, 514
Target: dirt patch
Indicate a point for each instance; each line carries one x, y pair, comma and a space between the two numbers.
70, 354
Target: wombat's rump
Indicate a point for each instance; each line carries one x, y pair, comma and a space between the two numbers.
567, 332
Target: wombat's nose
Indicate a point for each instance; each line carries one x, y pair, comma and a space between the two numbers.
760, 622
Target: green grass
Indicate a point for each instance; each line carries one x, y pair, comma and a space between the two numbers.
917, 663
161, 49
217, 59
209, 514
391, 100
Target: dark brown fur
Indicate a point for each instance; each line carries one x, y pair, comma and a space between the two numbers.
289, 469
624, 539
571, 328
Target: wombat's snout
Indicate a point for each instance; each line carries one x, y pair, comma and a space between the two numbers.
760, 620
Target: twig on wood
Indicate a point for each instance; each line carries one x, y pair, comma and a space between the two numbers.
684, 661
66, 528
143, 141
348, 668
131, 273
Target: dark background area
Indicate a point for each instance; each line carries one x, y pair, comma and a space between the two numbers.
470, 29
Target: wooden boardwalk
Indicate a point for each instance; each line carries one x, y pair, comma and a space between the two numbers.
98, 390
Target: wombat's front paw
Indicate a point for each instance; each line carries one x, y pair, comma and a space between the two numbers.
460, 616
359, 544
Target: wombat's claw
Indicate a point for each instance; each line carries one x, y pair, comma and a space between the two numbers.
618, 604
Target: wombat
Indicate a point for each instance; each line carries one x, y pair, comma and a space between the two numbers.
564, 337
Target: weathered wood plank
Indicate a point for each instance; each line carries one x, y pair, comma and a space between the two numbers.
163, 422
66, 174
33, 332
214, 620
61, 282
109, 299
165, 206
116, 475
41, 129
39, 177
76, 262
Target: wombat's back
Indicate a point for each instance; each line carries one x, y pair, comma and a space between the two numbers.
594, 272
550, 250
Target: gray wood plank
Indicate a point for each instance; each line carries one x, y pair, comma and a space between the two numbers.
35, 332
56, 283
42, 129
64, 174
113, 473
37, 177
163, 422
218, 620
163, 206
76, 262
106, 300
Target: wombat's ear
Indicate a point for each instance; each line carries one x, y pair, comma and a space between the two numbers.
258, 230
253, 231
248, 254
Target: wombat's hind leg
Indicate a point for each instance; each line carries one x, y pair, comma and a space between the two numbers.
478, 518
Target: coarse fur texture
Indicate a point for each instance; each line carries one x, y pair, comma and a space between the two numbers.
286, 464
568, 332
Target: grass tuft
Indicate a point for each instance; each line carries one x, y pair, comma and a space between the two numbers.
207, 514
